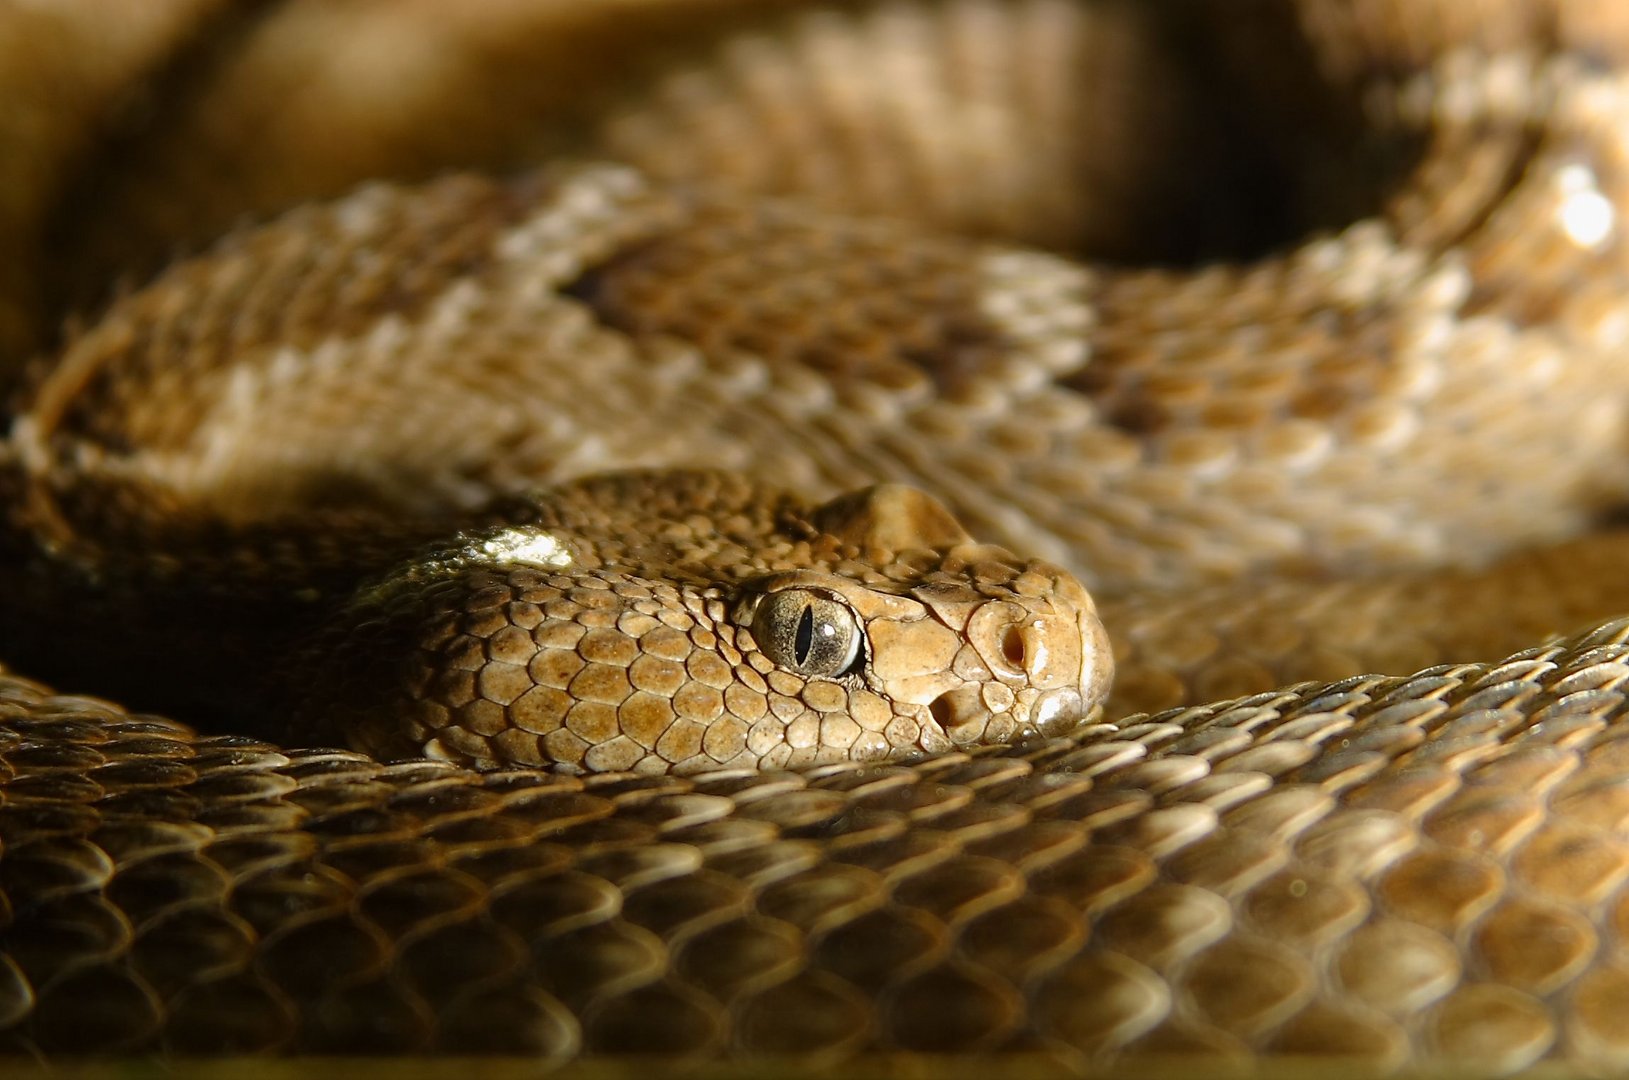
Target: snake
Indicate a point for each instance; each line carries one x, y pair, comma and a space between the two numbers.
1050, 533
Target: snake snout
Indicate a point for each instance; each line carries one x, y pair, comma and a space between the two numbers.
1043, 661
1067, 662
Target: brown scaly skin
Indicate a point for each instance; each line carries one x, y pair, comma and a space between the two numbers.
617, 629
1369, 452
608, 625
1385, 871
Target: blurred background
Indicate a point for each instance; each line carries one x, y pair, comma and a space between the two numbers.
135, 130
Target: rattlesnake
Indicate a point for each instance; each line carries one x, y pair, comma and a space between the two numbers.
685, 472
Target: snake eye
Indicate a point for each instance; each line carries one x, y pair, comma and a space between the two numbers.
807, 633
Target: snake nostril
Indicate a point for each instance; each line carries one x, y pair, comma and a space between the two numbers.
1012, 647
943, 711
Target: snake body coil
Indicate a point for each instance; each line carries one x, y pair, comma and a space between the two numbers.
646, 529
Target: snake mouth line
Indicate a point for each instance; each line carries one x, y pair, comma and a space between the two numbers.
965, 717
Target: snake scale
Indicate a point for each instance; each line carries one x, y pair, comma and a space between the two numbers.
643, 522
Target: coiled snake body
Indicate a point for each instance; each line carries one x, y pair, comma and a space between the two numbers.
653, 525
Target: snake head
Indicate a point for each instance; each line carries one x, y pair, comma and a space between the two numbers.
934, 640
971, 646
685, 621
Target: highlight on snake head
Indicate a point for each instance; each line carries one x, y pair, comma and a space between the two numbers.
867, 628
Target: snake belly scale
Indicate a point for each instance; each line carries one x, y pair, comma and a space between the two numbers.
881, 552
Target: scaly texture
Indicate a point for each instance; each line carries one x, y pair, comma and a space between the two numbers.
321, 482
1392, 870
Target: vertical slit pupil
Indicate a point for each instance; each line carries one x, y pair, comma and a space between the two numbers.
805, 637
